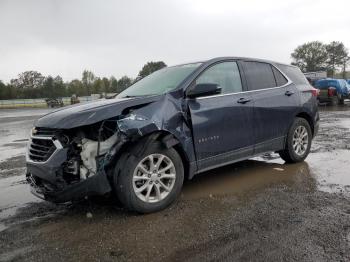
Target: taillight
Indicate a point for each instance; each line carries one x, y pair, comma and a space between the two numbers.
315, 92
331, 91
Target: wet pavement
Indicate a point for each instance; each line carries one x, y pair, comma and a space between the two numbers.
257, 210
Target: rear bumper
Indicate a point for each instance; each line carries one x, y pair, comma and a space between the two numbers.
46, 181
328, 99
316, 123
324, 98
316, 128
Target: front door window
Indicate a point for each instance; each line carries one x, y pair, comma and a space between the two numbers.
226, 75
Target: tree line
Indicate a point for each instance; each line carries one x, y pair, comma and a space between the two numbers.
311, 56
32, 84
317, 56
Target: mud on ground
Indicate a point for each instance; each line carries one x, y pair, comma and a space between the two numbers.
257, 210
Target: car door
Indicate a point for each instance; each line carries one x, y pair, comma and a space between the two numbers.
221, 124
275, 104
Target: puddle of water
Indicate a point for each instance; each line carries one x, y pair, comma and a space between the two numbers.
11, 152
326, 171
14, 134
14, 194
345, 122
247, 176
331, 170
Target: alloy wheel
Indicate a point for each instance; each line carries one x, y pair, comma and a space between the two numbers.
300, 140
154, 178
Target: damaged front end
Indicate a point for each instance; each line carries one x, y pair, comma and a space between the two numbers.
72, 153
70, 164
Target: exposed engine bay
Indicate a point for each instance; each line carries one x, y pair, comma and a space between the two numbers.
88, 149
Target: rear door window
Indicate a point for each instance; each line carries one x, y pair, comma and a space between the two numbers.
259, 75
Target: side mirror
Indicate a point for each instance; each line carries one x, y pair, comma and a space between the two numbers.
205, 89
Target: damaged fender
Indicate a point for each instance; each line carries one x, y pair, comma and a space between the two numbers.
165, 115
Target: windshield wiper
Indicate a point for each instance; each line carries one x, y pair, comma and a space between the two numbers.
128, 96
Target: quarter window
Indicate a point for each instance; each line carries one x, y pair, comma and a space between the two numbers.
294, 74
280, 79
259, 75
225, 74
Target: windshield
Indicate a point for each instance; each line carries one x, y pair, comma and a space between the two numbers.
160, 82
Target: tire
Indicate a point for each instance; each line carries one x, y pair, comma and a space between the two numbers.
335, 101
291, 154
129, 177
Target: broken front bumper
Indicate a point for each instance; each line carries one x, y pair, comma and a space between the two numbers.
47, 182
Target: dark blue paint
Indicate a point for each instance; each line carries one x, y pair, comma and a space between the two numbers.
221, 124
211, 131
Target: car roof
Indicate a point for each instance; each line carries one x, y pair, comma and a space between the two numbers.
224, 58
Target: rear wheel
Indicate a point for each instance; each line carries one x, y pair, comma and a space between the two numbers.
151, 181
298, 142
335, 101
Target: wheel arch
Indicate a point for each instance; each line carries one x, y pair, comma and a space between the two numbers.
168, 139
308, 118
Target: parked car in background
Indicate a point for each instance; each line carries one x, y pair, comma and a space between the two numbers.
314, 76
54, 102
332, 91
74, 99
169, 126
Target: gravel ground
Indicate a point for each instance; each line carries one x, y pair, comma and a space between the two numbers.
256, 210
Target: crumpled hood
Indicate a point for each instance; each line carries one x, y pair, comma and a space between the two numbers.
90, 113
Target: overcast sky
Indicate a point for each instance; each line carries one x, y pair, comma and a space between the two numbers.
117, 37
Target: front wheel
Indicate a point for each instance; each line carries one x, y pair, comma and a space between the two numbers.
298, 142
150, 181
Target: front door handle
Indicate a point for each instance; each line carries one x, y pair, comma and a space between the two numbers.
243, 100
289, 93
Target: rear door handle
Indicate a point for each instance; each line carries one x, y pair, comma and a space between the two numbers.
243, 100
289, 93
